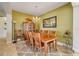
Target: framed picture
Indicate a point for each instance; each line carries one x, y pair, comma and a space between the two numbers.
50, 22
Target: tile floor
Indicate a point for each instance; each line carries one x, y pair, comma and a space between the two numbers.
7, 49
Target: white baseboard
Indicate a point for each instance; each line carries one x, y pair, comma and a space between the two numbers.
76, 50
63, 44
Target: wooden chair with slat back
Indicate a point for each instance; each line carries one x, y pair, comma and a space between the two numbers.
38, 44
52, 33
31, 39
26, 36
44, 32
19, 34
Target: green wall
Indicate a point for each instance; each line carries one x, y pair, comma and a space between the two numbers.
64, 19
1, 14
19, 18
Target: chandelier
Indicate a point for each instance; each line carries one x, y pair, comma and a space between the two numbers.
36, 19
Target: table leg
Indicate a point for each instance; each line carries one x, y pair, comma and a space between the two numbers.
46, 49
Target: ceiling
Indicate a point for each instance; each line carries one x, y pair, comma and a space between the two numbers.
36, 8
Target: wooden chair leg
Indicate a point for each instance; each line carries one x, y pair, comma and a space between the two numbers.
34, 50
51, 46
55, 45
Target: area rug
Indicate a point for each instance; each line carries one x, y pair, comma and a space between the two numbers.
24, 50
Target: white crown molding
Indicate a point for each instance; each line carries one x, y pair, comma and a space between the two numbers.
36, 9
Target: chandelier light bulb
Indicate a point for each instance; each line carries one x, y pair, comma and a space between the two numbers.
35, 19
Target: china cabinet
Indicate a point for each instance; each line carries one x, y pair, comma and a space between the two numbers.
28, 26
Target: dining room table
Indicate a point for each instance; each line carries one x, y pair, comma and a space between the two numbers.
47, 39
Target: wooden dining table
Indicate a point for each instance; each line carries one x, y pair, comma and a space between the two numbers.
46, 39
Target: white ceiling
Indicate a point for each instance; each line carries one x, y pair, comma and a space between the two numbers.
36, 8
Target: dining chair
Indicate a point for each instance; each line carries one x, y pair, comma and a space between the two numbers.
38, 44
53, 33
18, 34
27, 39
44, 31
31, 40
